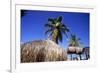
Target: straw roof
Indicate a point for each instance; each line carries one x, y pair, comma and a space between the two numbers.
74, 50
42, 50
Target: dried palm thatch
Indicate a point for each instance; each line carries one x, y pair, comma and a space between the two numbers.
42, 51
74, 50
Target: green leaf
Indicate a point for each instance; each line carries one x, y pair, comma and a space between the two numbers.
59, 19
51, 20
60, 36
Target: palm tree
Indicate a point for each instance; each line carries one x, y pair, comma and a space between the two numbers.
74, 41
74, 45
56, 29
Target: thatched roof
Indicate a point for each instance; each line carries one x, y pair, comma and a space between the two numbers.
40, 51
74, 50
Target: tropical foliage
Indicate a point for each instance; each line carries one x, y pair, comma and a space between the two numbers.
74, 41
56, 29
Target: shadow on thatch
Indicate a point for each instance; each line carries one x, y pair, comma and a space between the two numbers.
42, 51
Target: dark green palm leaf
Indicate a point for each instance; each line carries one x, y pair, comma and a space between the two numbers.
48, 25
59, 19
62, 26
51, 20
60, 36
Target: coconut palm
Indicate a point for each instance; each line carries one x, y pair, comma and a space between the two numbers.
74, 41
56, 29
74, 46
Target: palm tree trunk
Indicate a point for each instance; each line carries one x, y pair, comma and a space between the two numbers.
55, 39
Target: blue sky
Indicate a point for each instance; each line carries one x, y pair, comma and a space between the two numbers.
32, 25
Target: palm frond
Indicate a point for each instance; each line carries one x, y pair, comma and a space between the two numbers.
64, 32
51, 20
74, 41
48, 25
56, 29
59, 19
63, 26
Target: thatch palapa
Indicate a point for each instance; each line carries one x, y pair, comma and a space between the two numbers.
74, 50
42, 51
